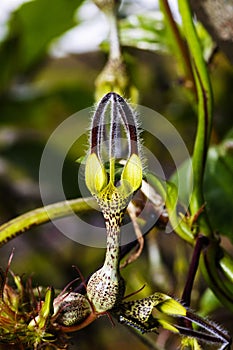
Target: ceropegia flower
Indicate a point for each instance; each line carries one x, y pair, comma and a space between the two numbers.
114, 136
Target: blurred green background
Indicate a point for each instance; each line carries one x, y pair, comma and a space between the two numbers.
39, 89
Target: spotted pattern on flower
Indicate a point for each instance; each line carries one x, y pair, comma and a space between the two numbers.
106, 287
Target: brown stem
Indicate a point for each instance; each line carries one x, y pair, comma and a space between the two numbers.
201, 242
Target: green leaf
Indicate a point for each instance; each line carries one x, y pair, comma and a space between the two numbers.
169, 193
206, 41
32, 27
41, 22
218, 189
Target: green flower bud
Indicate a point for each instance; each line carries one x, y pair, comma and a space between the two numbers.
172, 307
95, 174
131, 176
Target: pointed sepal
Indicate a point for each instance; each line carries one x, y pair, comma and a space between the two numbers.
95, 174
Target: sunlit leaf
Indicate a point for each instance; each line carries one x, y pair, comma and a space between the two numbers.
40, 22
31, 28
206, 41
145, 31
148, 31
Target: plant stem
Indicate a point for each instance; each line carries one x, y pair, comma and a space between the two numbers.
180, 44
115, 51
22, 223
201, 242
204, 94
218, 276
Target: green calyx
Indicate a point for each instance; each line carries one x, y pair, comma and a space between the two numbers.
172, 307
114, 134
131, 176
102, 186
95, 174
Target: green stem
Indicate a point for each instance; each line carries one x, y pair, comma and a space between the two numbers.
217, 271
22, 223
178, 42
115, 50
204, 94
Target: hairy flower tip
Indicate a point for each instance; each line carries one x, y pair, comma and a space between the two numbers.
114, 162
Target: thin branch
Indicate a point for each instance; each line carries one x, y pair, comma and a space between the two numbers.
24, 222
